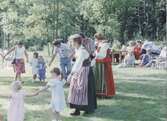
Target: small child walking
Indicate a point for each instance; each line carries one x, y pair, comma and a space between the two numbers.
146, 59
41, 69
34, 65
16, 109
57, 103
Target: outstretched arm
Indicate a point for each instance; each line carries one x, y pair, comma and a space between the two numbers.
32, 94
43, 89
11, 50
52, 59
37, 92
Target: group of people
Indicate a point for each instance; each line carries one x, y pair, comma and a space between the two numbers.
84, 64
145, 54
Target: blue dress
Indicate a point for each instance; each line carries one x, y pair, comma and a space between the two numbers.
41, 71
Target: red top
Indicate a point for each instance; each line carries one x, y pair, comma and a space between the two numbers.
137, 52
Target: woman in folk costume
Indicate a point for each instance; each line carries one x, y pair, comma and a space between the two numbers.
103, 70
89, 45
78, 78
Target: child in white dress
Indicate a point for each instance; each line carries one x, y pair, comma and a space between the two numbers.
57, 103
34, 65
16, 109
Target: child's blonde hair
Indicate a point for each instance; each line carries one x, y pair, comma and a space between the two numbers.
57, 71
16, 86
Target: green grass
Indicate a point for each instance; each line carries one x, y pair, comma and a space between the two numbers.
141, 96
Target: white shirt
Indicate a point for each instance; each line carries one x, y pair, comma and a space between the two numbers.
163, 53
19, 52
81, 54
57, 102
34, 64
103, 46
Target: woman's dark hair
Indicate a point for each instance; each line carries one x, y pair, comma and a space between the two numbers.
57, 71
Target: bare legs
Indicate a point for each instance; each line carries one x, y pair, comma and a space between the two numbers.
18, 77
55, 116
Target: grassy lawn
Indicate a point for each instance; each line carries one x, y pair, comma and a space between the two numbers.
141, 96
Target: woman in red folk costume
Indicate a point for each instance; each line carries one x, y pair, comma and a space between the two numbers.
103, 69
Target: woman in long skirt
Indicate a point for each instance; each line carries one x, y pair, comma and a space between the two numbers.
78, 94
89, 45
103, 70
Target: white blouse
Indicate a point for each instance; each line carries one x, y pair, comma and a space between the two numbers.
19, 52
81, 54
103, 47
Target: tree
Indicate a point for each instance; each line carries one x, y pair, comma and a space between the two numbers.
38, 22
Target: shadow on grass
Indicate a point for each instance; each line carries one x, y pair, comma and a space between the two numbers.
126, 109
141, 112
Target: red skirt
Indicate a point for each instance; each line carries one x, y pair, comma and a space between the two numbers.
104, 77
19, 66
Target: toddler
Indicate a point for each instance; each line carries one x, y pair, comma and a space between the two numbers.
57, 103
41, 69
16, 109
34, 65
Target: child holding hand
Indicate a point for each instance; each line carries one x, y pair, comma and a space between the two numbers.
34, 65
41, 69
57, 103
16, 109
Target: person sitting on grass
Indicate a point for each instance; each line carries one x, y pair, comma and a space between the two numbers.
146, 59
41, 69
129, 60
57, 103
163, 54
16, 109
34, 65
161, 61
